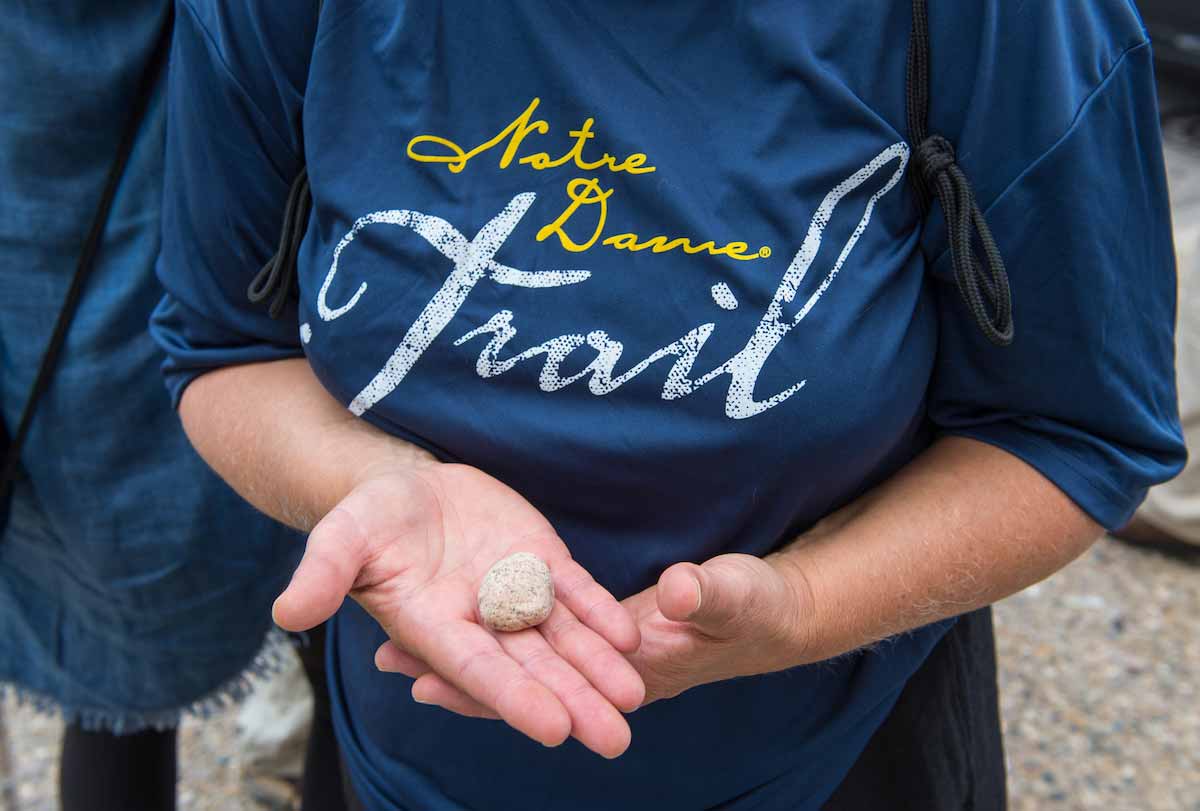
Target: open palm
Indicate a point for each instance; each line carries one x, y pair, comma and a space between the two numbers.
411, 546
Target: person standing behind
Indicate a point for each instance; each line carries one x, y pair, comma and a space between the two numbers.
134, 585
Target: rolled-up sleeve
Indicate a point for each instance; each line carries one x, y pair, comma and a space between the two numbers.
1086, 393
234, 96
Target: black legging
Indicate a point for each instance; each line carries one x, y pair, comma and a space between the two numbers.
321, 789
101, 771
941, 748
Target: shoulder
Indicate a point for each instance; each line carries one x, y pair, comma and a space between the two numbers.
253, 36
1011, 77
1084, 37
259, 49
225, 19
1060, 50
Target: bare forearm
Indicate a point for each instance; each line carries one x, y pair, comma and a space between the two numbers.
274, 433
965, 524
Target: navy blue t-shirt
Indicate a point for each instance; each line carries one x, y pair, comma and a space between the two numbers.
658, 267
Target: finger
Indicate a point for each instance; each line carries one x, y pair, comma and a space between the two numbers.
389, 658
433, 689
429, 688
471, 659
595, 722
713, 597
679, 594
592, 655
594, 606
333, 556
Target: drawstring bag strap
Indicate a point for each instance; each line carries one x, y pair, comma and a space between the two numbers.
277, 280
983, 284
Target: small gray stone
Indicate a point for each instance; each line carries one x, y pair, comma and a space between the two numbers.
516, 593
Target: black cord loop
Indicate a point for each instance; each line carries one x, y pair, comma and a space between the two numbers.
983, 285
277, 279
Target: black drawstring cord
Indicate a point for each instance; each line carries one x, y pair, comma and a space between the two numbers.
277, 279
935, 157
983, 285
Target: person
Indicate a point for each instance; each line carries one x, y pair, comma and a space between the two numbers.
650, 291
135, 587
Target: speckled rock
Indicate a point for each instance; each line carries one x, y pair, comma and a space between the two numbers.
516, 593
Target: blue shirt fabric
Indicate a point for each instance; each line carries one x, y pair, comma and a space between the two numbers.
480, 276
134, 584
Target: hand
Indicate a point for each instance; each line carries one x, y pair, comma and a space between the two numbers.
411, 546
736, 615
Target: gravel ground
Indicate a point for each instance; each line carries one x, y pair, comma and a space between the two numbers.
1100, 672
1100, 685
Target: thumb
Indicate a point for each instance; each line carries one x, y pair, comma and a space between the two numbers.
333, 556
713, 596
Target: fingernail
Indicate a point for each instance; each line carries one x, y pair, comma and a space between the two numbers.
699, 597
421, 700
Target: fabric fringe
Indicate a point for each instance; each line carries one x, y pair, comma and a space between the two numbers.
267, 662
